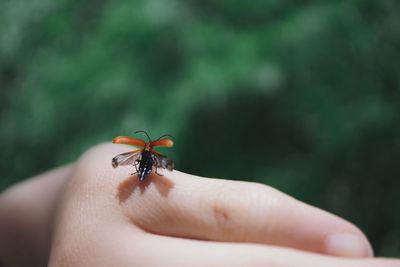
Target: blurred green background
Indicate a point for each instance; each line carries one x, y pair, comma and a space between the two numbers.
300, 95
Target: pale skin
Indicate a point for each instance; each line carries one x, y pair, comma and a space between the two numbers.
90, 214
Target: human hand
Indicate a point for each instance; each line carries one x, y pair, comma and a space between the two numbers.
90, 214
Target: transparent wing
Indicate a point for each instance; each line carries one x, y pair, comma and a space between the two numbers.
162, 161
126, 158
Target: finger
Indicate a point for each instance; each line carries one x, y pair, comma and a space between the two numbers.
27, 211
223, 210
185, 252
121, 247
183, 205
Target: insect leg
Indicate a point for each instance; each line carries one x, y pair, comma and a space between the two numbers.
156, 164
157, 172
135, 164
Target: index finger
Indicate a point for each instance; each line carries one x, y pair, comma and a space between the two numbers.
234, 211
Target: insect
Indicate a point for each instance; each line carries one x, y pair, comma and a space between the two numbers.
145, 157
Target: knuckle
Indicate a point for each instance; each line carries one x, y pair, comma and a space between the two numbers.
244, 203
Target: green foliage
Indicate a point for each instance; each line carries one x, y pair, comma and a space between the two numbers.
303, 95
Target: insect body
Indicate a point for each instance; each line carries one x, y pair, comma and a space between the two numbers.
145, 158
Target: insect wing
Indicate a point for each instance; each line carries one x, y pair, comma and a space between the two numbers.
163, 162
162, 142
129, 141
126, 158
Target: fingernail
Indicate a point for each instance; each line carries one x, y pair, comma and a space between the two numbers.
348, 245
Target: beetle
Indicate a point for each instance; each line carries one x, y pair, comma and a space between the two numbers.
145, 158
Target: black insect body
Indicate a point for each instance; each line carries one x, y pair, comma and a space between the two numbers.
146, 163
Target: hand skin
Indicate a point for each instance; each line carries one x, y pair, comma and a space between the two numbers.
89, 214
